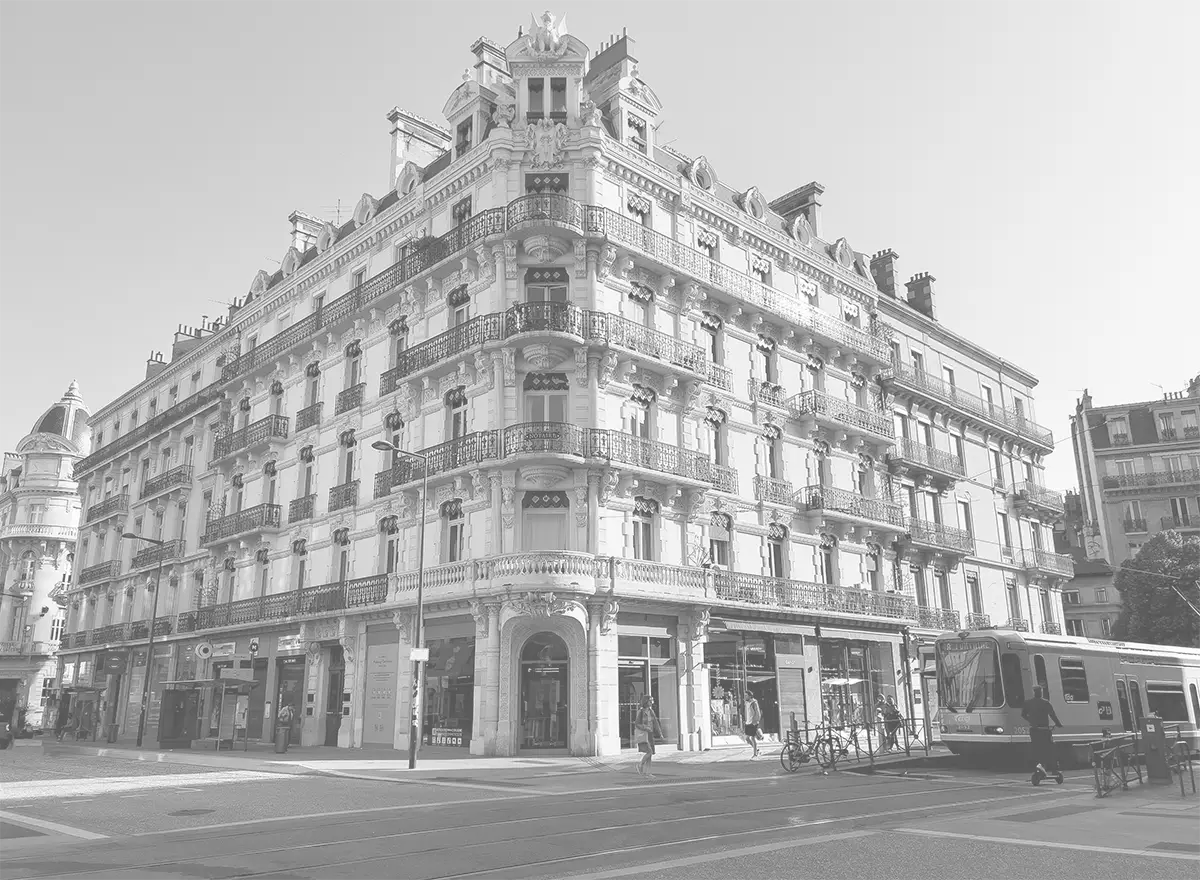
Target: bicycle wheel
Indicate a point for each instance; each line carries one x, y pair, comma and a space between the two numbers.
827, 753
792, 757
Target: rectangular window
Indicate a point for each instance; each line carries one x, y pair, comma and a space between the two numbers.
301, 572
1075, 628
462, 142
1014, 683
1040, 678
1070, 597
1074, 680
343, 566
987, 397
948, 376
964, 517
919, 584
918, 363
1118, 430
997, 468
153, 406
558, 99
976, 594
1005, 532
264, 580
1101, 595
455, 538
357, 279
643, 535
391, 553
537, 99
1105, 627
1166, 701
775, 558
943, 585
318, 302
1180, 512
461, 212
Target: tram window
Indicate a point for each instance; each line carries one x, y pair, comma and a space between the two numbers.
1195, 703
1166, 701
1014, 686
1039, 675
1123, 702
1135, 693
1074, 680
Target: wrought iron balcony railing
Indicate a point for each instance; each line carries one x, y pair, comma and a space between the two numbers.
1191, 432
826, 407
652, 455
351, 398
769, 393
271, 428
1180, 523
1051, 563
918, 456
140, 629
773, 491
309, 416
1135, 524
941, 536
302, 508
933, 386
1168, 434
176, 477
543, 437
102, 571
262, 517
453, 342
110, 633
839, 501
114, 506
1153, 478
978, 620
151, 554
1051, 628
723, 479
720, 376
801, 595
1019, 624
1030, 494
945, 619
383, 483
319, 599
559, 210
345, 495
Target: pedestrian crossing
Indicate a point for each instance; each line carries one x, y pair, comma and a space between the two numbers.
64, 789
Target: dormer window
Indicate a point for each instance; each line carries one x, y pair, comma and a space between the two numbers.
637, 133
463, 142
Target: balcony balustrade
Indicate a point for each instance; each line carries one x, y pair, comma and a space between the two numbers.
1168, 435
773, 491
840, 502
800, 595
551, 209
723, 479
319, 599
383, 483
261, 518
176, 478
542, 438
1019, 624
945, 619
273, 427
1191, 432
343, 496
720, 376
309, 416
941, 537
39, 530
651, 455
1034, 499
1051, 628
842, 413
769, 393
455, 341
929, 386
912, 458
351, 398
1179, 477
302, 508
151, 554
140, 629
117, 505
111, 633
102, 571
1135, 524
978, 620
1180, 524
1045, 562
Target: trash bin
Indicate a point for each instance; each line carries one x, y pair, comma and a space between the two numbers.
112, 732
281, 739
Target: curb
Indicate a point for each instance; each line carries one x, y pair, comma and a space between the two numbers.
192, 759
932, 761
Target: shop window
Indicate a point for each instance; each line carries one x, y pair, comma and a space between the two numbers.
449, 692
546, 397
740, 665
1074, 680
1166, 701
454, 531
645, 514
646, 667
854, 675
545, 521
1014, 684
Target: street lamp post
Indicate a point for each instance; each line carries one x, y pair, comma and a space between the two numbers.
153, 619
418, 695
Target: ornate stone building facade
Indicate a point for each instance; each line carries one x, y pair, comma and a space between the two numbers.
658, 417
39, 519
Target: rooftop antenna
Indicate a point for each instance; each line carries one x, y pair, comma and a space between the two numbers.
335, 208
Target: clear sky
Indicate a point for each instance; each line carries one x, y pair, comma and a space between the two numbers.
1039, 158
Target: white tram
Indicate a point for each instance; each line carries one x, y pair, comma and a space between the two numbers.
985, 676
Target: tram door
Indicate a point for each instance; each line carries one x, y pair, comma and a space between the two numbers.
1129, 701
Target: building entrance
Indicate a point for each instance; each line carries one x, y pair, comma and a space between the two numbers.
545, 685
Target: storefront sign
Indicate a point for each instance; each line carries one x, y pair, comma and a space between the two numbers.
382, 667
289, 644
237, 674
447, 736
114, 664
224, 649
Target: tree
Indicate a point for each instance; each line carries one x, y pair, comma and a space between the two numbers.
1151, 611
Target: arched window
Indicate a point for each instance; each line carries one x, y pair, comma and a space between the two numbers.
544, 648
645, 517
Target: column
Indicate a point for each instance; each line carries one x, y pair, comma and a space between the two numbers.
487, 680
405, 622
354, 655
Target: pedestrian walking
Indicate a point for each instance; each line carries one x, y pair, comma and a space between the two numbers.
1039, 713
645, 729
892, 719
60, 719
753, 722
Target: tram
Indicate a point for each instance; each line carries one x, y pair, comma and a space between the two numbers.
985, 676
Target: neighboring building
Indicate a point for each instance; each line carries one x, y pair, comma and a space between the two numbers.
1139, 470
39, 518
678, 441
1091, 604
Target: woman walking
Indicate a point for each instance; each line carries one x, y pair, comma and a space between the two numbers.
645, 729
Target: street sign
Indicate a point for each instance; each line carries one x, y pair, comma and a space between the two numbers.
254, 646
419, 655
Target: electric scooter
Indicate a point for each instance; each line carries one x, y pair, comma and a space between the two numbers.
1040, 773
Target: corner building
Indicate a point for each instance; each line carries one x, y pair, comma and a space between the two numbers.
658, 418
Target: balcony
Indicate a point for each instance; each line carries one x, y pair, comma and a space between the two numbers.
1139, 525
842, 416
28, 649
542, 438
155, 553
343, 496
650, 455
1166, 479
104, 571
1038, 501
940, 538
1191, 432
536, 212
1168, 435
351, 398
772, 491
435, 350
1180, 524
309, 416
470, 449
140, 629
39, 530
769, 393
841, 504
1120, 440
945, 619
176, 478
111, 633
272, 429
720, 376
117, 505
302, 508
781, 593
321, 599
1019, 624
1046, 564
1051, 629
913, 381
383, 484
978, 620
252, 520
920, 462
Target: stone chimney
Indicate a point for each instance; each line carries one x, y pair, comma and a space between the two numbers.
186, 339
305, 228
415, 140
805, 200
490, 64
155, 364
1193, 386
883, 270
920, 294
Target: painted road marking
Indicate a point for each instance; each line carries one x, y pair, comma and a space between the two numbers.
61, 788
51, 826
1046, 844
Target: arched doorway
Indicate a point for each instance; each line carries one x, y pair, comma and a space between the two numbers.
545, 690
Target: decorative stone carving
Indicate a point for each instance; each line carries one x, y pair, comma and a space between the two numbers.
607, 615
801, 230
581, 269
609, 481
508, 361
546, 248
581, 366
510, 259
581, 506
546, 37
590, 115
700, 621
508, 496
699, 173
546, 141
404, 621
539, 604
842, 253
608, 366
608, 256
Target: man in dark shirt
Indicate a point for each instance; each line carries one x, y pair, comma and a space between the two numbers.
1039, 713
